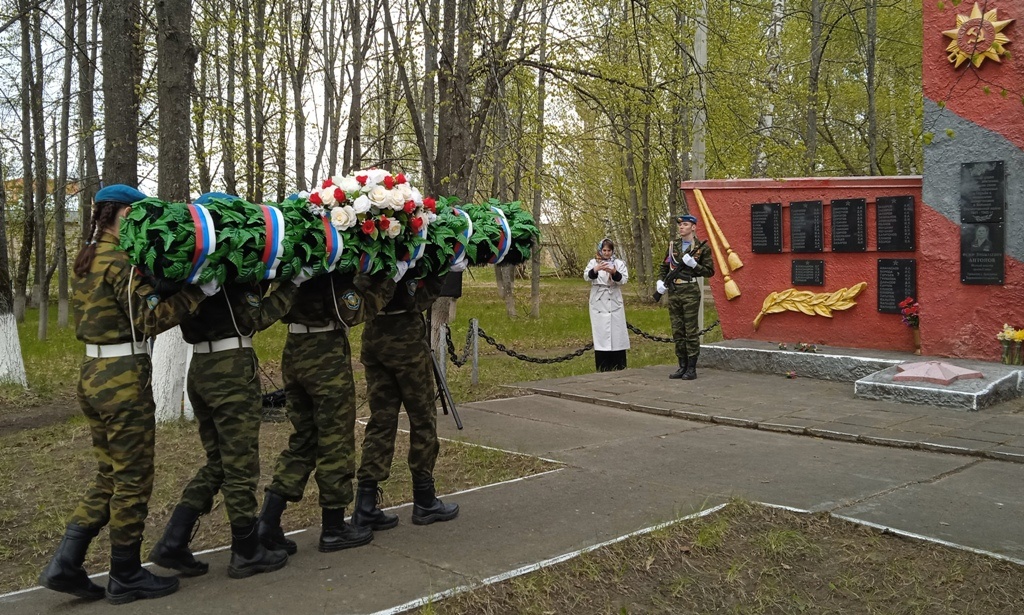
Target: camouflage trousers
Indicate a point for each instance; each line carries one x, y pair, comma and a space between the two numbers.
226, 397
399, 373
116, 398
321, 394
683, 310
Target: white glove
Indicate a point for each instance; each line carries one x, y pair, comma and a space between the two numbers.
459, 265
402, 267
303, 276
211, 288
661, 287
689, 261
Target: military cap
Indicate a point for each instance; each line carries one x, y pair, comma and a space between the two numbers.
203, 199
119, 193
685, 218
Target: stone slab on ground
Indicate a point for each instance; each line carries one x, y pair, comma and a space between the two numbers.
828, 363
999, 383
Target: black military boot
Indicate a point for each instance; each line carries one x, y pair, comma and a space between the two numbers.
336, 535
172, 550
129, 581
367, 513
691, 369
65, 573
426, 508
269, 528
676, 375
248, 556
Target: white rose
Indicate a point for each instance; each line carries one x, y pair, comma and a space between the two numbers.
349, 184
336, 180
416, 197
395, 200
395, 229
361, 204
378, 196
405, 191
343, 218
376, 175
327, 196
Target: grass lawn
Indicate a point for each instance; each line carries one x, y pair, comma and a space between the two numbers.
748, 559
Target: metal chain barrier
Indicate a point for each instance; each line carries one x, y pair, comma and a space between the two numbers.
460, 361
657, 338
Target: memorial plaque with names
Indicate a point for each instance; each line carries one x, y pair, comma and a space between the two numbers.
766, 228
849, 225
808, 273
981, 254
895, 230
806, 226
982, 192
897, 280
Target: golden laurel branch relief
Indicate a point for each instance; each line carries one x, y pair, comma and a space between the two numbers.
812, 304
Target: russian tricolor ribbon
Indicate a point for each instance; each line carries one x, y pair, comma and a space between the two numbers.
460, 246
273, 220
333, 243
206, 241
504, 237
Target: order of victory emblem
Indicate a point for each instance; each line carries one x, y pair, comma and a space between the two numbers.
977, 36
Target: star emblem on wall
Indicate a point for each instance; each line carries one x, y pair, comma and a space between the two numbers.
977, 36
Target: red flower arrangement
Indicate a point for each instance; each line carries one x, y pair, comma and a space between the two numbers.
911, 312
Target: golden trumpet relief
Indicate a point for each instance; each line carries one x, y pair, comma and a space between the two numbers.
977, 36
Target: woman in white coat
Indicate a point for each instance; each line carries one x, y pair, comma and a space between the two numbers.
606, 275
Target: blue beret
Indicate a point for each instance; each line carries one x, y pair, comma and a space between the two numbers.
119, 193
686, 218
205, 198
293, 197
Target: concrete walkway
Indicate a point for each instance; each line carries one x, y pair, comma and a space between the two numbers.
623, 471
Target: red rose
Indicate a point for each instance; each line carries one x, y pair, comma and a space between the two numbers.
327, 183
339, 195
416, 223
361, 179
410, 206
389, 182
430, 204
315, 199
384, 223
400, 178
368, 226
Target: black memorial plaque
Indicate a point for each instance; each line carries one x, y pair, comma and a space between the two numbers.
894, 224
808, 273
897, 280
806, 230
849, 225
766, 228
981, 254
982, 192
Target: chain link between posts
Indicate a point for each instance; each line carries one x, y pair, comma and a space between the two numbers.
459, 361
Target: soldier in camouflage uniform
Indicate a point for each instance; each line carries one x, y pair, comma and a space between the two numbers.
399, 372
225, 391
687, 260
116, 311
321, 403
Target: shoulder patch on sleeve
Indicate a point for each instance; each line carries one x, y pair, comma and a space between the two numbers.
352, 300
252, 299
410, 287
152, 301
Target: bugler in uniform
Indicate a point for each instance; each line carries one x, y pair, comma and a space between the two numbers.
321, 402
687, 260
116, 311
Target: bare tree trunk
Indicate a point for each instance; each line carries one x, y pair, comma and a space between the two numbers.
352, 153
766, 121
298, 64
176, 58
27, 173
12, 366
87, 50
873, 167
247, 104
811, 135
259, 98
60, 185
538, 164
431, 20
42, 286
199, 107
281, 150
122, 62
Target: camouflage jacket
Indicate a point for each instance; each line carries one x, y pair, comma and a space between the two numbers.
104, 298
413, 295
238, 309
352, 298
699, 250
